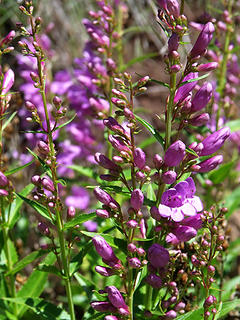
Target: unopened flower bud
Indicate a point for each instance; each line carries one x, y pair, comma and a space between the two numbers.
3, 180
132, 224
131, 247
158, 256
48, 184
139, 158
102, 213
158, 161
199, 120
175, 154
43, 228
43, 147
104, 249
154, 280
203, 40
210, 164
106, 272
71, 211
137, 198
215, 141
134, 263
169, 177
202, 97
30, 106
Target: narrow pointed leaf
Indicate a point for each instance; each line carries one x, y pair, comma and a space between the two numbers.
79, 220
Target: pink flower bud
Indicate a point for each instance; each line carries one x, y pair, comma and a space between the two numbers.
199, 120
111, 318
71, 211
30, 106
8, 38
137, 199
173, 43
139, 158
184, 90
175, 154
207, 67
116, 298
48, 184
169, 177
118, 143
202, 97
105, 162
102, 196
170, 315
158, 256
203, 40
106, 272
103, 306
131, 247
8, 81
43, 147
185, 233
210, 164
102, 213
215, 141
134, 263
132, 224
104, 249
3, 180
36, 180
158, 161
3, 193
113, 125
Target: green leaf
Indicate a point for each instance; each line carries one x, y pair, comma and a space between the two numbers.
112, 241
27, 260
78, 258
160, 82
150, 192
195, 314
85, 284
49, 269
12, 171
195, 79
43, 164
147, 142
6, 123
14, 207
37, 206
234, 125
219, 175
138, 59
35, 283
44, 309
191, 151
185, 176
151, 129
227, 307
78, 220
65, 123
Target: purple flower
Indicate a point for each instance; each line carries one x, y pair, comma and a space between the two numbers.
3, 180
106, 272
210, 164
203, 40
116, 298
169, 177
8, 81
179, 201
202, 97
105, 162
103, 306
79, 198
137, 199
199, 120
158, 256
175, 154
104, 249
173, 43
134, 263
139, 158
185, 89
215, 141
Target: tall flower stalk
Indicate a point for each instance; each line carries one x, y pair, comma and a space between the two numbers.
50, 184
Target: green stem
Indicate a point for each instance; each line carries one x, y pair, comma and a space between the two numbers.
223, 67
59, 222
168, 119
149, 297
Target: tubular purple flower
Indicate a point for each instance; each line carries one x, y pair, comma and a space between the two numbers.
137, 199
3, 192
199, 120
102, 196
105, 162
207, 66
48, 184
184, 233
210, 164
106, 272
185, 89
113, 125
173, 43
170, 315
158, 256
215, 141
36, 180
154, 280
115, 297
203, 40
175, 154
8, 81
8, 38
169, 177
202, 97
102, 213
118, 143
139, 158
158, 161
3, 180
103, 306
104, 249
43, 147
